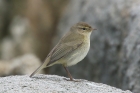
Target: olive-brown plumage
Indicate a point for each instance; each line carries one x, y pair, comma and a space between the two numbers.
71, 48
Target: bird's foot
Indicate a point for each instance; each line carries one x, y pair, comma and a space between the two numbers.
72, 80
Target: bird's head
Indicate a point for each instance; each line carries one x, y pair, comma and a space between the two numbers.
82, 27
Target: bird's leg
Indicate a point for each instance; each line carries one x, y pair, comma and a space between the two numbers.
70, 76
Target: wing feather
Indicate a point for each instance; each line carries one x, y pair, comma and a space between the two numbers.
62, 50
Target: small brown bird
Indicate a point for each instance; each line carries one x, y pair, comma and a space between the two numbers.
71, 48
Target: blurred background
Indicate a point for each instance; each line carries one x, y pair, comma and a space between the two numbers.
29, 29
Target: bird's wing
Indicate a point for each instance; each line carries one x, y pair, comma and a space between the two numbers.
61, 50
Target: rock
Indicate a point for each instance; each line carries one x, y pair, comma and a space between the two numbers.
117, 24
131, 48
52, 84
25, 64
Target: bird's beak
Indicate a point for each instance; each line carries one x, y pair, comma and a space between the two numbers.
94, 29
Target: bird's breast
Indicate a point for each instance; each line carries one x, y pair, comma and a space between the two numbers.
78, 54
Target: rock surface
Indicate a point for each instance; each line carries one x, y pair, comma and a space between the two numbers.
52, 84
131, 48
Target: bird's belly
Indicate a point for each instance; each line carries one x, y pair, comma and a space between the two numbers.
78, 55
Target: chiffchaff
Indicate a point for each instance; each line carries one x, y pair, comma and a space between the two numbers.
71, 48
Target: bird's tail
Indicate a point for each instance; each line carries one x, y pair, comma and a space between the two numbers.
41, 67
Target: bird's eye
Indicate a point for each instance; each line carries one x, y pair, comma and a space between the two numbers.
84, 28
